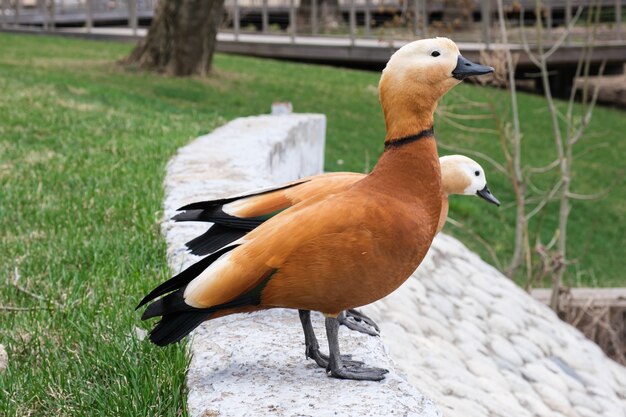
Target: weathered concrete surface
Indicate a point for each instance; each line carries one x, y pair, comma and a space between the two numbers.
254, 365
478, 345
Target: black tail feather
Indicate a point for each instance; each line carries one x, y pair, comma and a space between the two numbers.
178, 318
210, 204
174, 327
171, 303
185, 277
217, 215
190, 216
213, 239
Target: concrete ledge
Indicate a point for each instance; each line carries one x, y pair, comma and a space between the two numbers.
254, 364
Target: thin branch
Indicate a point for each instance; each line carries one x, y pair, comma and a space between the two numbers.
462, 98
587, 117
568, 30
514, 158
601, 194
477, 154
468, 128
445, 113
543, 169
592, 149
538, 199
525, 44
596, 196
545, 200
534, 187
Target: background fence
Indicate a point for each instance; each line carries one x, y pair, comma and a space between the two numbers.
465, 20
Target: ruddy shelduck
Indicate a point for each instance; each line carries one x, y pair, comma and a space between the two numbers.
342, 251
459, 175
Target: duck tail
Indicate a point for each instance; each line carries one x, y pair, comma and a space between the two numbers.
213, 239
178, 319
185, 277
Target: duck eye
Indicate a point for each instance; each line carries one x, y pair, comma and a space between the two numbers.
477, 173
435, 53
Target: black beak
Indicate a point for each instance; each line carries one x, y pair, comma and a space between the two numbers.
465, 68
486, 194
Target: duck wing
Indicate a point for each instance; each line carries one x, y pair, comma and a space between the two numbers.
234, 217
327, 234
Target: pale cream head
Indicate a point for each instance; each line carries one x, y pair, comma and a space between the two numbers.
461, 175
425, 64
412, 83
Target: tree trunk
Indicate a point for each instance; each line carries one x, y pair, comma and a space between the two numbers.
181, 39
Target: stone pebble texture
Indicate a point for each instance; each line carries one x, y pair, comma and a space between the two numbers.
478, 345
465, 336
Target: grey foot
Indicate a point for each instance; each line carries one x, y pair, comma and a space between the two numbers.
312, 348
338, 368
360, 373
355, 320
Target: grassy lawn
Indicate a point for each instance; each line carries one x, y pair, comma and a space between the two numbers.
83, 147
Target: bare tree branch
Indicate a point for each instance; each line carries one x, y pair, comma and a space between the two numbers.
559, 42
466, 128
543, 169
600, 194
587, 117
452, 115
515, 156
472, 152
592, 149
525, 44
545, 200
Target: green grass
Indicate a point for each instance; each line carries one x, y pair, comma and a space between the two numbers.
83, 145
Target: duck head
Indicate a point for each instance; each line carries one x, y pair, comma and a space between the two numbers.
415, 78
463, 175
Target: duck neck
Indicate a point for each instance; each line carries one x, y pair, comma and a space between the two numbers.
409, 170
406, 115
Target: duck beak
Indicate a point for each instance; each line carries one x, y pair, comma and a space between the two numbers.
465, 68
486, 194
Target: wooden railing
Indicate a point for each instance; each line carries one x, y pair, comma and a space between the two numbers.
353, 19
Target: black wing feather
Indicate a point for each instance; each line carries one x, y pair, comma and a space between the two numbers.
213, 239
202, 205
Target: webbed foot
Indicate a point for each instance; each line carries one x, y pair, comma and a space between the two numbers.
337, 368
355, 320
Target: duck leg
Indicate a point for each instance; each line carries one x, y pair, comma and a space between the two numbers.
339, 368
312, 348
355, 320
